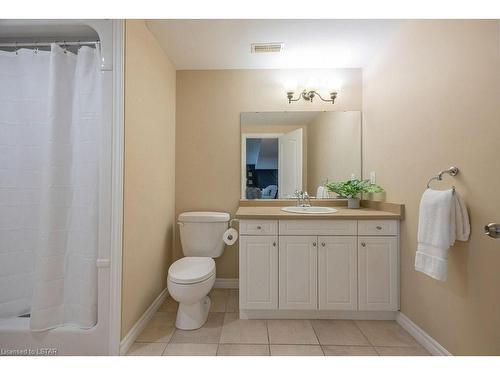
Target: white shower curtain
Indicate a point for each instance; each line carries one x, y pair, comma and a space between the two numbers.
24, 82
58, 273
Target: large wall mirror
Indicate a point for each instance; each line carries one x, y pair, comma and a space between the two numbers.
282, 152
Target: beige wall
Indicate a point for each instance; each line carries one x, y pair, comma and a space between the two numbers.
149, 171
335, 148
272, 128
432, 100
209, 104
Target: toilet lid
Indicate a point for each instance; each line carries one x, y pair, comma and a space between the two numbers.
204, 217
190, 270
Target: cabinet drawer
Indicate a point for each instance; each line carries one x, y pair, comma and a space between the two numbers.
378, 227
318, 227
258, 227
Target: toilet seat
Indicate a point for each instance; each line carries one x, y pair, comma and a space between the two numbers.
191, 270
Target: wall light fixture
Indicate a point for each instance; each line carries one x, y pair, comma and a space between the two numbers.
309, 95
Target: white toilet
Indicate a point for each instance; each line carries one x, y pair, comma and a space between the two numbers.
191, 278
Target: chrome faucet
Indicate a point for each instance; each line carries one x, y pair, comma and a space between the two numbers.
306, 201
302, 198
298, 194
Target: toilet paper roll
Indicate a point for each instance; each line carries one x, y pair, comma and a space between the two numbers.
230, 236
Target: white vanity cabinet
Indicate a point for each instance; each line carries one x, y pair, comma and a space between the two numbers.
338, 273
378, 273
259, 272
298, 272
319, 265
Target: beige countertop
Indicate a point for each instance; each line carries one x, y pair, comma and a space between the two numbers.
275, 212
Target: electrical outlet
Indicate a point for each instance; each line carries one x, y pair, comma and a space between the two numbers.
373, 178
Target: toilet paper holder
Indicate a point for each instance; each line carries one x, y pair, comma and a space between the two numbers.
230, 237
231, 222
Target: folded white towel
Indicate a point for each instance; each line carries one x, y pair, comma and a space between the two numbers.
443, 218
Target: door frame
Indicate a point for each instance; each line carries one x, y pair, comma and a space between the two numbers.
117, 168
244, 137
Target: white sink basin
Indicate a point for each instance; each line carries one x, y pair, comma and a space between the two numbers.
309, 210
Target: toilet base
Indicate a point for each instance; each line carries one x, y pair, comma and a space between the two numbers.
193, 316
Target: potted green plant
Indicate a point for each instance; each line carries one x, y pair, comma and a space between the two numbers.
352, 189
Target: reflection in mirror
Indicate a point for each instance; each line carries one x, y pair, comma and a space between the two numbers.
282, 152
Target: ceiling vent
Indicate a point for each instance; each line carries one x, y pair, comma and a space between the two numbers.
266, 47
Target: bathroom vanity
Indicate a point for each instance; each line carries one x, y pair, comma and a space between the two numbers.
314, 264
342, 265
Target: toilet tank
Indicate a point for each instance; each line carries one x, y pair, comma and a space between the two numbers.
201, 233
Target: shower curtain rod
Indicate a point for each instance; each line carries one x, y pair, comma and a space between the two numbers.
47, 44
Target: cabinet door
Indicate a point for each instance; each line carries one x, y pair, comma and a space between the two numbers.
258, 272
338, 273
298, 272
378, 273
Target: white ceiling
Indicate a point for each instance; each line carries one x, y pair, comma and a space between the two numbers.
225, 44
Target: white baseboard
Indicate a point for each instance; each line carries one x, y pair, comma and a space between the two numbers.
226, 283
139, 326
317, 314
422, 337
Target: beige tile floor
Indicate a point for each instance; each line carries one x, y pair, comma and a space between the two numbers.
225, 334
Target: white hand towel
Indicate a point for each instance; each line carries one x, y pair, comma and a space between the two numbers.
322, 192
319, 192
462, 224
443, 219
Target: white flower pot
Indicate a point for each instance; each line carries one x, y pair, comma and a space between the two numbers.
353, 202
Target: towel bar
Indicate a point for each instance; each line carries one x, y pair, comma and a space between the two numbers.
452, 171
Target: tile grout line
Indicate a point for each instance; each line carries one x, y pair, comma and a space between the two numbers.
163, 352
170, 338
380, 346
366, 337
317, 338
220, 337
268, 339
373, 345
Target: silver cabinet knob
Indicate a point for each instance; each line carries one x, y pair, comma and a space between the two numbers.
323, 244
314, 244
274, 244
363, 244
378, 227
259, 227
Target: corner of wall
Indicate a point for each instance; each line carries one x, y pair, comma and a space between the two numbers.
149, 171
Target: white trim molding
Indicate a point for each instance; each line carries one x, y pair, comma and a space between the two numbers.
317, 314
116, 223
226, 283
422, 337
143, 321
